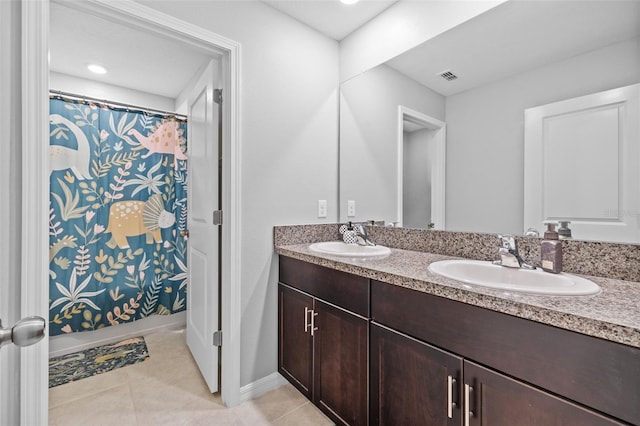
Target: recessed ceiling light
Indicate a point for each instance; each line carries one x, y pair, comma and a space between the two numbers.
97, 69
349, 1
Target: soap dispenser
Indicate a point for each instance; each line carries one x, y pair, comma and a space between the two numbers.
551, 250
564, 232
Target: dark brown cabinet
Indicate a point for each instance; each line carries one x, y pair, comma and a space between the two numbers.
323, 347
514, 371
340, 347
493, 399
368, 352
412, 383
295, 345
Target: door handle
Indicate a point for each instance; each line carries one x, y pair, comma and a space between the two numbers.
184, 233
26, 332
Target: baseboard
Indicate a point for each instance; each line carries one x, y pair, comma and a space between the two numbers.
73, 342
261, 386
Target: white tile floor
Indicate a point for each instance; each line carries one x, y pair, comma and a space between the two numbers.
167, 389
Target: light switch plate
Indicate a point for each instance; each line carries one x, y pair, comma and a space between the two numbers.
351, 208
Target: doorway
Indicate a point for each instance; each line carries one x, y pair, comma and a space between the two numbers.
144, 18
421, 170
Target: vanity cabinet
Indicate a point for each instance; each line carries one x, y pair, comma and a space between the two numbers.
324, 338
414, 383
368, 352
513, 371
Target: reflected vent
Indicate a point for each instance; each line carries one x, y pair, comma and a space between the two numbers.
448, 75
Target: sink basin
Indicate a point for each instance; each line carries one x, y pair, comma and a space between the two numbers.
338, 248
536, 281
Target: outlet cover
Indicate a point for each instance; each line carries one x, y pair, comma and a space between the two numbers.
322, 208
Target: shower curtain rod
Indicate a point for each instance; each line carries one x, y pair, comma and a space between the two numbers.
118, 105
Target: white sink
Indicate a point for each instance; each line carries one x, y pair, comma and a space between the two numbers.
338, 248
535, 281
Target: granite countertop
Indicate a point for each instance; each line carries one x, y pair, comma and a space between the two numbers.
612, 314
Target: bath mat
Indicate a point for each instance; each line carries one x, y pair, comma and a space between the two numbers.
79, 365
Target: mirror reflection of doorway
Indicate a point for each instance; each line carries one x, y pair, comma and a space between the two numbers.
421, 170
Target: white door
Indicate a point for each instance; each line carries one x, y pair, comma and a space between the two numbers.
204, 235
582, 163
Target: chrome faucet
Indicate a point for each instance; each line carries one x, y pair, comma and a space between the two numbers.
509, 255
361, 234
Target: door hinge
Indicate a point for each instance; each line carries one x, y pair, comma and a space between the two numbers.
217, 96
217, 338
217, 217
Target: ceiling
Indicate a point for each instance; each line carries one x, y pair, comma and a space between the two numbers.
504, 41
134, 59
331, 17
515, 37
150, 63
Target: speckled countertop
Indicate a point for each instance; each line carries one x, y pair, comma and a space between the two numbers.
613, 314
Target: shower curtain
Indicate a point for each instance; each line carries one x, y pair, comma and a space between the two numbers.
117, 206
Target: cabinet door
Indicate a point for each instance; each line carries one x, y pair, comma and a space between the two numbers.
412, 383
340, 364
497, 400
295, 342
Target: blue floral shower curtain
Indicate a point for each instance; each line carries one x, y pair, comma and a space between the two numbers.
117, 205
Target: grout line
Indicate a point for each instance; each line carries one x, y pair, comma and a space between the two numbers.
291, 411
91, 392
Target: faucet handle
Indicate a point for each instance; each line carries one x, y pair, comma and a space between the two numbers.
508, 242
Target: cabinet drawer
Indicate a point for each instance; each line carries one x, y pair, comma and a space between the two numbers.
348, 291
600, 374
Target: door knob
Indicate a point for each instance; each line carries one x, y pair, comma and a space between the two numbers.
26, 332
184, 233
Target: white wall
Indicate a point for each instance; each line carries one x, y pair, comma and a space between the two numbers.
401, 27
289, 150
485, 133
109, 92
369, 139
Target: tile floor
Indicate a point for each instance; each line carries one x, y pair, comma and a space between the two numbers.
167, 389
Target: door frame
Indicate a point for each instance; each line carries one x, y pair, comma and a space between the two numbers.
439, 164
34, 275
35, 82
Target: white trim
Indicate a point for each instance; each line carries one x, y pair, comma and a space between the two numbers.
261, 386
10, 169
68, 343
231, 233
34, 366
144, 17
439, 165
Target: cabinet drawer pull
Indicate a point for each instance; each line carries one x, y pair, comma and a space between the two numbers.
450, 402
314, 314
467, 403
306, 319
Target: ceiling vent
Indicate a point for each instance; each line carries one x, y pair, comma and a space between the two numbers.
448, 75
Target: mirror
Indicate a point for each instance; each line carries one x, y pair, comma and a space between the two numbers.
519, 55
